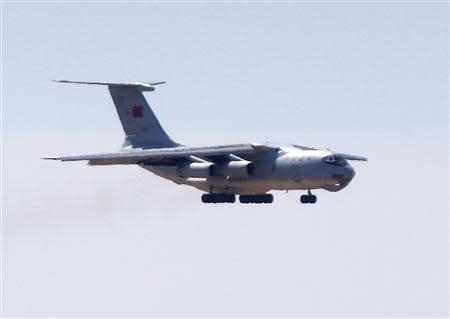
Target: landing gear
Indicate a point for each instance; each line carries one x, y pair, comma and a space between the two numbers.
308, 199
256, 199
218, 198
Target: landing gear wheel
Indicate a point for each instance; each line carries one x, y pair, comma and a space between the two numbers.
308, 199
304, 199
256, 199
208, 198
218, 198
269, 199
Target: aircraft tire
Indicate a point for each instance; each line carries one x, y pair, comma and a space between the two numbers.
308, 199
218, 198
304, 199
268, 199
206, 198
256, 199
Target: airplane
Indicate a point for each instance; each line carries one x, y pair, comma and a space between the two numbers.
249, 170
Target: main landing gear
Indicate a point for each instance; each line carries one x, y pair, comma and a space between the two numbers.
256, 199
218, 198
308, 199
231, 198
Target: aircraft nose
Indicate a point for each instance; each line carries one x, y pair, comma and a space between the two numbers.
344, 176
349, 172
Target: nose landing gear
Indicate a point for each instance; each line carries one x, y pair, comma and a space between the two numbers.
308, 199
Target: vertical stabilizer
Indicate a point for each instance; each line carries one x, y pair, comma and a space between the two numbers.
142, 128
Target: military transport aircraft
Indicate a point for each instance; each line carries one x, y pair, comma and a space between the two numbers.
222, 171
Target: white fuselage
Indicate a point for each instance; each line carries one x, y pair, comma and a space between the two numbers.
287, 168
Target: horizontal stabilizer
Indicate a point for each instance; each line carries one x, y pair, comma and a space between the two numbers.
144, 86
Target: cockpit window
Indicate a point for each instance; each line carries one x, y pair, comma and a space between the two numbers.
335, 160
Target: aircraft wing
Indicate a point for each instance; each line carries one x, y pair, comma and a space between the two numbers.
162, 155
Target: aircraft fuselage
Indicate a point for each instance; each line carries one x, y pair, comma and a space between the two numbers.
287, 168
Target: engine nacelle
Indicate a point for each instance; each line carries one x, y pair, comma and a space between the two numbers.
197, 170
237, 169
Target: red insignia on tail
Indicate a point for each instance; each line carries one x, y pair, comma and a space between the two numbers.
138, 111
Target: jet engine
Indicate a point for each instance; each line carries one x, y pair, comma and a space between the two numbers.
197, 170
237, 169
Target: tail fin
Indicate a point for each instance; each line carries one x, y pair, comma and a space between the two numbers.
142, 128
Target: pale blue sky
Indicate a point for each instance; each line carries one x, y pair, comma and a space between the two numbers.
363, 78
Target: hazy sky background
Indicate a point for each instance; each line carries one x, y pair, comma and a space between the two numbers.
363, 78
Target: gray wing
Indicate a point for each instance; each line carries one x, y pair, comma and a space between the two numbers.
163, 156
